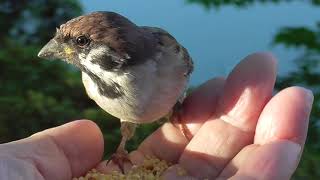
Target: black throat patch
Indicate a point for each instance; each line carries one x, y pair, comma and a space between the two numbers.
110, 90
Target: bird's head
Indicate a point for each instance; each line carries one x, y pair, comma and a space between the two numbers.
106, 39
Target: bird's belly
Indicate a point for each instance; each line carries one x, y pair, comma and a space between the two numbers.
145, 101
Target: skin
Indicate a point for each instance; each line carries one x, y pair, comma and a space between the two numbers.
239, 129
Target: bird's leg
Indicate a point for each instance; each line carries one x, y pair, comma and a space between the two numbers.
121, 156
127, 131
176, 120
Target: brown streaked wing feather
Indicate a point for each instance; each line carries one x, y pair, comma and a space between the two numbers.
188, 61
166, 39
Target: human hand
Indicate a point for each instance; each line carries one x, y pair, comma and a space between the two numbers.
240, 131
59, 153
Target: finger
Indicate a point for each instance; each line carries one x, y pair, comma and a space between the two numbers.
63, 152
177, 173
276, 160
249, 87
239, 160
168, 142
285, 117
201, 104
245, 93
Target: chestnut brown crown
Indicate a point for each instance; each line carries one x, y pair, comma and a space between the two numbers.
125, 40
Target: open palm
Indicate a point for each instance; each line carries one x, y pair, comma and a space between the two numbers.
237, 130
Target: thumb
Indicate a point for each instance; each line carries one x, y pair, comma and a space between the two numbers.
62, 152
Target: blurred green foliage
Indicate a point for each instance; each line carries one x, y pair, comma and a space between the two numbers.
307, 74
36, 94
30, 99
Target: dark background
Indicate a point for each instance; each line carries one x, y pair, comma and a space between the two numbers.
36, 94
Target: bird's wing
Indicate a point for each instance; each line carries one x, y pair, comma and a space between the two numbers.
167, 40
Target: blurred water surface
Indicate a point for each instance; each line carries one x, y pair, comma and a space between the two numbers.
217, 38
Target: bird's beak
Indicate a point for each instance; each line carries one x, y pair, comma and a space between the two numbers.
52, 50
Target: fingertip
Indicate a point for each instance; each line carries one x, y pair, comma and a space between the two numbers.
82, 143
81, 123
256, 66
286, 116
247, 89
266, 57
305, 95
66, 151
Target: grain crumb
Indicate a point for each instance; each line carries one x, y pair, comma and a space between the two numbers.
151, 169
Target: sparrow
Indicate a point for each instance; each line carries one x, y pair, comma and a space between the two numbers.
135, 73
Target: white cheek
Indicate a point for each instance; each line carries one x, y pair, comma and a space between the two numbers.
82, 56
87, 61
106, 76
94, 68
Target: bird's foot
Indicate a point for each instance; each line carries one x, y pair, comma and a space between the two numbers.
120, 159
176, 120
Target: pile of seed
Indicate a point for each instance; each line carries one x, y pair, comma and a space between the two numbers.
151, 169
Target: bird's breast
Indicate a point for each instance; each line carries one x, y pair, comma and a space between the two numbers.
150, 89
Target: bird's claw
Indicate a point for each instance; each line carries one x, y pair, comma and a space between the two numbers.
119, 159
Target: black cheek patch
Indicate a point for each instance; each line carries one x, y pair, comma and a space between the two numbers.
107, 62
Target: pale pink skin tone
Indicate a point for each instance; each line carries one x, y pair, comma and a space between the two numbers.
240, 131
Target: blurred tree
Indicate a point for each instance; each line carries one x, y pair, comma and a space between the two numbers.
32, 91
36, 94
307, 74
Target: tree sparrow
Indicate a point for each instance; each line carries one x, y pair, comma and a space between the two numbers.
135, 73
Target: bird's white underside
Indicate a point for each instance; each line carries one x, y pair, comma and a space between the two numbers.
150, 89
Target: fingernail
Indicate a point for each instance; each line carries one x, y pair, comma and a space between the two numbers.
309, 97
308, 100
293, 151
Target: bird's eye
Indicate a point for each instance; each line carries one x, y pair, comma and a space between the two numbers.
82, 41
